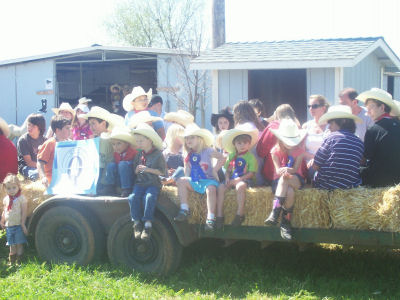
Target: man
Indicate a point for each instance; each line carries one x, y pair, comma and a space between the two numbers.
348, 97
156, 105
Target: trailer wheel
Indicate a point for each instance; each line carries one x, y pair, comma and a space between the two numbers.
67, 235
160, 255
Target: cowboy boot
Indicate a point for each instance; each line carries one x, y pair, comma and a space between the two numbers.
276, 211
286, 227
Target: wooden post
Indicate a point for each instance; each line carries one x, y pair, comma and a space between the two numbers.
218, 23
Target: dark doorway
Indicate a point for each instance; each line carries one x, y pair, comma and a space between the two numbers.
275, 87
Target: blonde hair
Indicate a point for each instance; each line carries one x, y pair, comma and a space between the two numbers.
284, 111
11, 178
174, 131
201, 147
321, 100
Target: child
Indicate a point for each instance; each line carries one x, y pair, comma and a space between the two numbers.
149, 165
61, 127
173, 153
124, 153
240, 167
13, 217
80, 126
64, 110
202, 176
137, 101
287, 157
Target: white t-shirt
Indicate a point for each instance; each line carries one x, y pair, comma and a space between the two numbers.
361, 128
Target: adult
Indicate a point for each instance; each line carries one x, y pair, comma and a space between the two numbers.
382, 140
259, 110
338, 160
318, 105
348, 97
8, 157
156, 104
267, 139
138, 101
28, 145
223, 120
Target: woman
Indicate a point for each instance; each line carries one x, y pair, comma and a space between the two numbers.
8, 157
28, 145
318, 105
222, 121
338, 160
382, 140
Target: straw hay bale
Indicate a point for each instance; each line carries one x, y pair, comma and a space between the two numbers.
33, 192
389, 210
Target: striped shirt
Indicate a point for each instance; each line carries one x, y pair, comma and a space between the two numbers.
339, 160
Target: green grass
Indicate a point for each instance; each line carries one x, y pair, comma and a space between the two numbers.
209, 271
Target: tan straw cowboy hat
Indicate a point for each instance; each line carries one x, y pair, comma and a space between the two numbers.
148, 131
289, 133
123, 134
380, 95
206, 135
137, 91
229, 135
181, 117
142, 117
65, 106
338, 112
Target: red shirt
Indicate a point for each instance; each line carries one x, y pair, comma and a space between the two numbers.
129, 154
265, 143
8, 158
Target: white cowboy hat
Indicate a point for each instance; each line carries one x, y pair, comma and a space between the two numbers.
338, 112
380, 95
181, 117
398, 107
136, 92
229, 135
193, 129
149, 132
65, 106
84, 100
289, 133
123, 134
142, 117
99, 113
82, 107
4, 127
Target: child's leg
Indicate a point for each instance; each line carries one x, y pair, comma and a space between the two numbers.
241, 197
125, 171
135, 202
211, 192
149, 201
111, 173
220, 199
184, 187
13, 249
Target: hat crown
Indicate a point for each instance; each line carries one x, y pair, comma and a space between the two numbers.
288, 128
138, 90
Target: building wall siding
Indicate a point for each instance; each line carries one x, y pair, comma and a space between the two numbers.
396, 93
7, 94
232, 87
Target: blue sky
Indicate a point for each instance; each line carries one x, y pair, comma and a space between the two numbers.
41, 26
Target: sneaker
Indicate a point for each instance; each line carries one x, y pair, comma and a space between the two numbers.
182, 215
137, 230
210, 225
237, 221
273, 216
286, 229
125, 193
146, 233
219, 223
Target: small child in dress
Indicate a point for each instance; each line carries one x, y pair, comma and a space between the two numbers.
201, 177
289, 176
149, 165
13, 218
80, 126
173, 153
241, 167
121, 169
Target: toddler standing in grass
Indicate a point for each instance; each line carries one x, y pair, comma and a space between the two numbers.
13, 217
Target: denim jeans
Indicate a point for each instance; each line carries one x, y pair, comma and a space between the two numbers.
120, 173
143, 202
30, 172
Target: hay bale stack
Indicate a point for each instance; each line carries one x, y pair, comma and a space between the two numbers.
389, 210
311, 209
356, 208
33, 192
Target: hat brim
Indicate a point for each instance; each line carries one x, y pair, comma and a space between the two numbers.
230, 135
56, 110
127, 102
4, 127
175, 117
152, 135
135, 122
376, 95
338, 115
124, 137
206, 135
290, 141
215, 117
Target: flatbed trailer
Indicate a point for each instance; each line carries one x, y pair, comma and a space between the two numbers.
80, 229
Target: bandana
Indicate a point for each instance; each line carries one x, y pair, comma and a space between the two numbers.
232, 163
144, 154
384, 116
12, 198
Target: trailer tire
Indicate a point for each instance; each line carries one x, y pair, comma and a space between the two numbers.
160, 255
68, 235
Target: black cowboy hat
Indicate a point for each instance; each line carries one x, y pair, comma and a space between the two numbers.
226, 113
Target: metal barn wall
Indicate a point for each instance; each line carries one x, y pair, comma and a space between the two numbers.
233, 86
363, 76
19, 85
396, 93
169, 76
321, 81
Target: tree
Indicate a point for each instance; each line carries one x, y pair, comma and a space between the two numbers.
173, 24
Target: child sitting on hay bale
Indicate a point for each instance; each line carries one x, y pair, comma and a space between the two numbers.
149, 165
13, 217
240, 167
288, 159
337, 161
203, 177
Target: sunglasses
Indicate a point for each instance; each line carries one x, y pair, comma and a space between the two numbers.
314, 106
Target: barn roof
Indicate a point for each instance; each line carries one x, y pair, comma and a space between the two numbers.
321, 53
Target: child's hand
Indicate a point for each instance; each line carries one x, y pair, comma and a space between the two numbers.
140, 169
170, 172
24, 229
2, 225
45, 182
234, 182
282, 171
